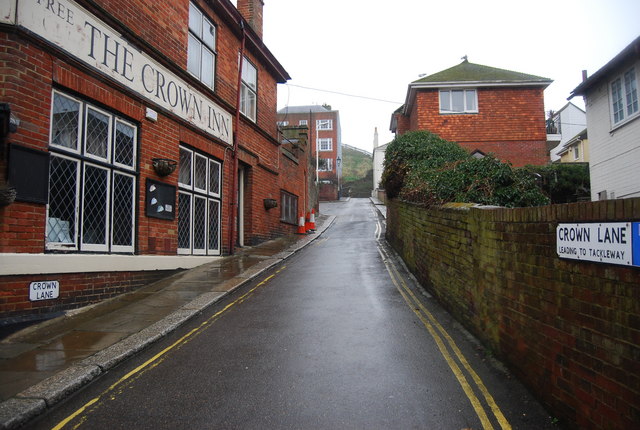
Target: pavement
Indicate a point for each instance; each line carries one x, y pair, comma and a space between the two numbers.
380, 206
43, 364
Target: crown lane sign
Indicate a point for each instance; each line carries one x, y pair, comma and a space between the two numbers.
612, 243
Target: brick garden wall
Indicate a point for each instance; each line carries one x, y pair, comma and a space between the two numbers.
570, 330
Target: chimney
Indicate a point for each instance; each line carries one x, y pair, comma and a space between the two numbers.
584, 75
251, 10
375, 138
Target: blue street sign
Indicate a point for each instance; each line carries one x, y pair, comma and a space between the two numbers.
635, 240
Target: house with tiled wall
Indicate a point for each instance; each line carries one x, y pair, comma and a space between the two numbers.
326, 147
139, 141
484, 109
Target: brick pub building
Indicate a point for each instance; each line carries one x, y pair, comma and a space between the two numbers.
484, 109
140, 139
326, 143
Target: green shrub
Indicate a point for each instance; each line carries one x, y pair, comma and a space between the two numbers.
564, 182
424, 168
416, 150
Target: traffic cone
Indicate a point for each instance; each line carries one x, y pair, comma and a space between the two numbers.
301, 229
313, 219
307, 223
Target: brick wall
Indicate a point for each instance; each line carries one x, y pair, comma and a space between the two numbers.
88, 288
570, 330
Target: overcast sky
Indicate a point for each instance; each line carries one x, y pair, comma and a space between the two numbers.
374, 49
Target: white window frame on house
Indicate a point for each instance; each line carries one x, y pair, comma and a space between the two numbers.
288, 207
325, 165
249, 90
199, 203
283, 123
324, 124
576, 152
303, 122
92, 178
325, 144
623, 92
451, 103
201, 45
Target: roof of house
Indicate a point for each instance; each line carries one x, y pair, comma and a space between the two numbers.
470, 72
466, 75
303, 109
631, 51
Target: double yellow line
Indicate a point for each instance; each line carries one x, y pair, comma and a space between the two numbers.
116, 388
438, 333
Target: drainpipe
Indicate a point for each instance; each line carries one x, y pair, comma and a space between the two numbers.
234, 157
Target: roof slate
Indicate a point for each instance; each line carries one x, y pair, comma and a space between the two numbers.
470, 72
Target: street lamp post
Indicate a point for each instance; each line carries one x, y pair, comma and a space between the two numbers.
338, 171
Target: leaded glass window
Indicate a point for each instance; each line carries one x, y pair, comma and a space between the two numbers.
199, 179
91, 185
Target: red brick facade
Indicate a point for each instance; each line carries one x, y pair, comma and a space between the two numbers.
329, 179
33, 69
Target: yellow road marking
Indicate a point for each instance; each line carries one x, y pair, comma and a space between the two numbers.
429, 322
156, 359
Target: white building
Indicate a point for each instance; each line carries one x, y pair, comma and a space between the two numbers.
563, 126
378, 164
613, 124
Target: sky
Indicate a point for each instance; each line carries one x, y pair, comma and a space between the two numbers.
360, 55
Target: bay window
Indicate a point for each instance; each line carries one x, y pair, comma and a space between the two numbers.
624, 96
92, 178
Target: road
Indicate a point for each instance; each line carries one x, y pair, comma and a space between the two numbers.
337, 337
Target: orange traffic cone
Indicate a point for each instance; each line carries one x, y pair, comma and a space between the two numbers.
312, 221
301, 229
307, 223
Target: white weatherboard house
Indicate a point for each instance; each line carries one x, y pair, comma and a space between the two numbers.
378, 164
563, 126
613, 125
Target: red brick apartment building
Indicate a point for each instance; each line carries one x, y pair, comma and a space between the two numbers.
484, 109
324, 133
137, 144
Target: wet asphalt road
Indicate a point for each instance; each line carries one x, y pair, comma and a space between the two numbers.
326, 341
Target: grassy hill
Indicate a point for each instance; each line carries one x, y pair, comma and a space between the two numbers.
357, 171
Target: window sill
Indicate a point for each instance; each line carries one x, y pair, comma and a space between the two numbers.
625, 122
31, 264
459, 113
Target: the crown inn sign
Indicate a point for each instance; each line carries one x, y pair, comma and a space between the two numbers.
79, 33
613, 243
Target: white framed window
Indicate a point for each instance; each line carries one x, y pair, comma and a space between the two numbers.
325, 165
624, 96
91, 186
324, 124
303, 122
249, 90
288, 208
576, 152
325, 144
201, 50
283, 123
458, 101
199, 180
